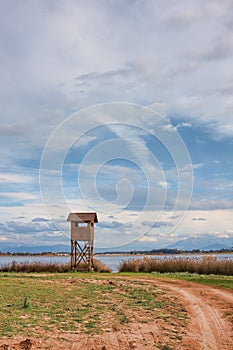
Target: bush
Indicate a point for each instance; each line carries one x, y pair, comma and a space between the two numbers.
51, 267
100, 267
207, 265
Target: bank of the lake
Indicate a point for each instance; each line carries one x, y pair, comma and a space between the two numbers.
113, 261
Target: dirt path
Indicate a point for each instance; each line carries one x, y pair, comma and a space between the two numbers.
209, 326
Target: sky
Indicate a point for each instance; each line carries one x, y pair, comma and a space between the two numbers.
120, 107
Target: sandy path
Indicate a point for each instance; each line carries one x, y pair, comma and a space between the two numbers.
206, 305
208, 326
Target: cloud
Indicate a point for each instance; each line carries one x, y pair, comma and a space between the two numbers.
19, 227
183, 125
15, 196
40, 220
156, 224
145, 69
148, 239
110, 232
14, 178
199, 219
38, 231
14, 130
113, 224
85, 140
211, 204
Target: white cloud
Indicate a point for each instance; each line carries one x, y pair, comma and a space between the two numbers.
63, 40
18, 195
183, 125
148, 239
14, 178
197, 165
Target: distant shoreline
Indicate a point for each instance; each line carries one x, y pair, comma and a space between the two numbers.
130, 254
162, 254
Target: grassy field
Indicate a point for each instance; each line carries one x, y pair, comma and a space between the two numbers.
35, 304
80, 303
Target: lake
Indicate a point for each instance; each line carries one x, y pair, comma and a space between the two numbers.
112, 261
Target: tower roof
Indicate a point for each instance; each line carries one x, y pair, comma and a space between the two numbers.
83, 217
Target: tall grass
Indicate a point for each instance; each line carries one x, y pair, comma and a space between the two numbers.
51, 267
207, 265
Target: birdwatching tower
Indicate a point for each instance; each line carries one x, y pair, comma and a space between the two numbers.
82, 238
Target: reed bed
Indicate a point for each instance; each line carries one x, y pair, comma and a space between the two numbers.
51, 267
207, 265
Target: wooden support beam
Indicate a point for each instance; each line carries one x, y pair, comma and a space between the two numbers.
83, 254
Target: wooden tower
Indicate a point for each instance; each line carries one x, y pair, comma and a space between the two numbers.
82, 239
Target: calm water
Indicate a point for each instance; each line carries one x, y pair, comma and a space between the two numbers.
112, 261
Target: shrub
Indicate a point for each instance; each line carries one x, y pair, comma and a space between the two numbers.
207, 265
51, 267
100, 267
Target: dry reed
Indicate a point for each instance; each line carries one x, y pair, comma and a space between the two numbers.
51, 267
206, 265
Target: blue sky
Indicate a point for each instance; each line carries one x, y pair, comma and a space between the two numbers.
119, 107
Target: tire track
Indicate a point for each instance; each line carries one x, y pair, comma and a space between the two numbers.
207, 324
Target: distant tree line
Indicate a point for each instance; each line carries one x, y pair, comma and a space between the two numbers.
175, 251
172, 251
32, 254
162, 251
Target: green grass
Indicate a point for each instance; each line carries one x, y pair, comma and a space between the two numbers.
215, 280
31, 304
46, 303
165, 347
